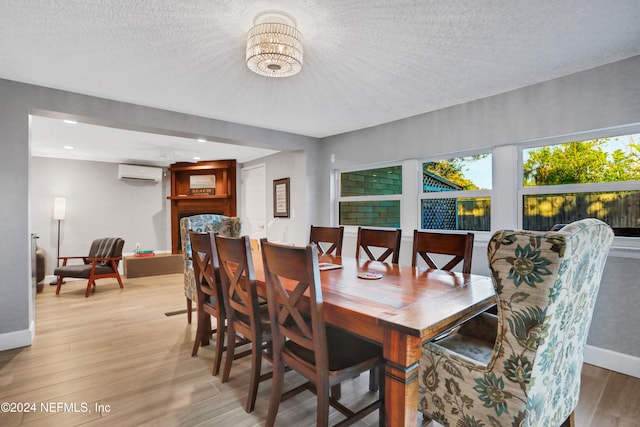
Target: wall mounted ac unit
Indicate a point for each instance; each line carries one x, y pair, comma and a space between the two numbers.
143, 173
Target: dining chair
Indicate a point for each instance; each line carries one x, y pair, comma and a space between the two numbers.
521, 367
224, 225
331, 235
389, 240
246, 315
323, 354
458, 246
208, 295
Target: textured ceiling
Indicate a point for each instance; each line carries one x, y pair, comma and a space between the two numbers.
365, 62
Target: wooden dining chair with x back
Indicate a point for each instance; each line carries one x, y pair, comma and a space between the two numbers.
327, 239
388, 240
324, 354
246, 315
209, 296
458, 246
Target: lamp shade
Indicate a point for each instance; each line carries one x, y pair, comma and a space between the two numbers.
274, 45
59, 208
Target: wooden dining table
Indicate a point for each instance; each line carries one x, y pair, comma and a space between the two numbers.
403, 308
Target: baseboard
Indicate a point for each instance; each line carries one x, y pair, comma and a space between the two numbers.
18, 338
613, 361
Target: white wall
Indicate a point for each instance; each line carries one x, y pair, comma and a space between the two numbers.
292, 165
98, 204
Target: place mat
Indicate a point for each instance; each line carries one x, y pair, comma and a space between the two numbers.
369, 275
328, 266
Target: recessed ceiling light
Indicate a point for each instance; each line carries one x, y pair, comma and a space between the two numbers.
70, 122
68, 147
201, 140
196, 158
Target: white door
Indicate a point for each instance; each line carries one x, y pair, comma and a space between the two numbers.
254, 201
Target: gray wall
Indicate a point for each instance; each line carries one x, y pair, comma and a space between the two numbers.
17, 102
98, 205
599, 98
291, 165
594, 99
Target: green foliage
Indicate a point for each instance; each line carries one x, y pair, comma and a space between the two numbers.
581, 162
452, 170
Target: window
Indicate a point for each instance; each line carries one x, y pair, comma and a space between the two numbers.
456, 193
371, 197
598, 178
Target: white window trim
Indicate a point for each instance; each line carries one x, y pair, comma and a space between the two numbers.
507, 182
595, 187
456, 194
622, 246
465, 194
373, 198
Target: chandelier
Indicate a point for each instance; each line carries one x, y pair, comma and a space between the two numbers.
274, 45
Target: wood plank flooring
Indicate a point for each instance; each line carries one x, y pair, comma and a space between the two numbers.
115, 358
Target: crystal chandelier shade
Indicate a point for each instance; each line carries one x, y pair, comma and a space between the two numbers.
274, 49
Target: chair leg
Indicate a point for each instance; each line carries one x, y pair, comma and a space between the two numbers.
230, 354
205, 338
58, 285
217, 359
276, 392
373, 379
256, 367
336, 391
322, 417
201, 331
381, 394
189, 310
570, 422
89, 283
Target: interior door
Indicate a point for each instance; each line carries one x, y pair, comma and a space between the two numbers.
254, 201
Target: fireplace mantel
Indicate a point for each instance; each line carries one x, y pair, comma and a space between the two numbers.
195, 196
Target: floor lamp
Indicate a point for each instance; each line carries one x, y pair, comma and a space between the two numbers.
59, 210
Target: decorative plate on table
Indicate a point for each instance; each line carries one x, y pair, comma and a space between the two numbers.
370, 275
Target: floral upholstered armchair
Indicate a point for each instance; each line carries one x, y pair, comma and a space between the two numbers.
226, 226
521, 367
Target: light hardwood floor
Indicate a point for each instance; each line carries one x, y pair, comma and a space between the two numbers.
119, 354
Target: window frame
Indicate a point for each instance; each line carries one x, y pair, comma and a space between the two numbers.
507, 181
626, 242
373, 198
457, 194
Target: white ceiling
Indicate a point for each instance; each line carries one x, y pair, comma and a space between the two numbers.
365, 62
56, 139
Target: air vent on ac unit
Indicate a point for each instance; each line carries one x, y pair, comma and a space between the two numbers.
144, 173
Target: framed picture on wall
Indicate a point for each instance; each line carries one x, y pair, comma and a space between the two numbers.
202, 185
281, 198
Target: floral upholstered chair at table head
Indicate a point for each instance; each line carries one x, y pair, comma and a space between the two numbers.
521, 367
226, 226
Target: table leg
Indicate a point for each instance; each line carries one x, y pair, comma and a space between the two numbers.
401, 354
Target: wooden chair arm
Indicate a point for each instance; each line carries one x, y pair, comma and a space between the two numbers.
67, 258
96, 260
116, 258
